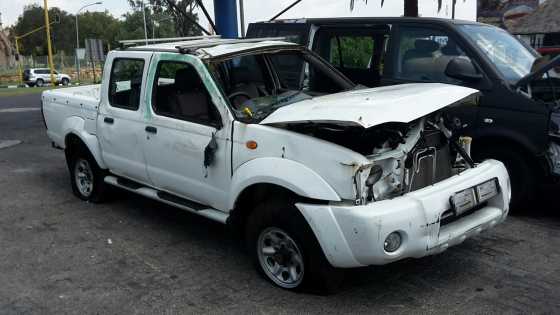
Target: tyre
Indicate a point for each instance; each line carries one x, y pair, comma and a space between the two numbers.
40, 83
285, 250
523, 175
65, 81
86, 177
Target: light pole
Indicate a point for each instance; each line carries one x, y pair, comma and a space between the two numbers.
78, 37
145, 27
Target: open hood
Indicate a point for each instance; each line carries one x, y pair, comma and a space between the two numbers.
371, 107
539, 71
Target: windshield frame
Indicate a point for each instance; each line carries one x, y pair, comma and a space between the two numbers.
462, 29
307, 54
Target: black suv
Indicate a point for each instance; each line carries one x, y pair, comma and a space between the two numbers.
516, 119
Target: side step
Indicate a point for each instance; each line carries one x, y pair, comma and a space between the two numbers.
167, 198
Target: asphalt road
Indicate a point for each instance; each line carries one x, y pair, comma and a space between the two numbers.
60, 255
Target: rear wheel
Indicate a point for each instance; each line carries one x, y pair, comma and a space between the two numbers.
40, 83
86, 177
285, 250
523, 175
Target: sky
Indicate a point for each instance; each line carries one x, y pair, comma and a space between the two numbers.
259, 10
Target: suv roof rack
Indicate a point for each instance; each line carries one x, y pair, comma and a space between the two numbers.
187, 48
134, 42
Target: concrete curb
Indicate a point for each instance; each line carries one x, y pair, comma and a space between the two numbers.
26, 86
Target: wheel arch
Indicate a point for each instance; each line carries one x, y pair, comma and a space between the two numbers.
74, 140
520, 144
257, 180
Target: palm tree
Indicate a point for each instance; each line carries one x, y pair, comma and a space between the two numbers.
411, 7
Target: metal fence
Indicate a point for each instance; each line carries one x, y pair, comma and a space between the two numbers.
63, 63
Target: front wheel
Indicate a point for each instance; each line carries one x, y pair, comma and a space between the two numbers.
285, 250
65, 82
86, 177
522, 174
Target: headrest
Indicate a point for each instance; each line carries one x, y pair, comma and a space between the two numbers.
450, 49
187, 80
426, 45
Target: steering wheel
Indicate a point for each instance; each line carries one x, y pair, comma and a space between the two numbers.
235, 95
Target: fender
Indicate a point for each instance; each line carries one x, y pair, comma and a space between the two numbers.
75, 125
505, 133
282, 172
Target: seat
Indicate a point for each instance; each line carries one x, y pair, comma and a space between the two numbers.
418, 62
190, 100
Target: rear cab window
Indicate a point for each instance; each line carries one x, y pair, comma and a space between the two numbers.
125, 83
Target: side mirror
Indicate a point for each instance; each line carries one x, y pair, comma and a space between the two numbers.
462, 69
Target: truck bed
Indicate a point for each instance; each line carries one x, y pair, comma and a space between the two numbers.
60, 105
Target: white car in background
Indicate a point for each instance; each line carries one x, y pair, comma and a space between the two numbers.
40, 76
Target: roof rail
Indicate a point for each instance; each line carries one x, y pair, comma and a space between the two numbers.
186, 48
133, 42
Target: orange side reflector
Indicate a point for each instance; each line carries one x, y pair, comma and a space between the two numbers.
251, 145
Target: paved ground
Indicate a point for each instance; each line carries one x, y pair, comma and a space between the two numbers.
60, 255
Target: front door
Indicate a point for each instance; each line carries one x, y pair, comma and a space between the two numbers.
183, 127
120, 124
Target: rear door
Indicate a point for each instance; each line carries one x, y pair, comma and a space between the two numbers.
357, 51
120, 123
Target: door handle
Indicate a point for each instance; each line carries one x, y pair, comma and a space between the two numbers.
109, 120
151, 129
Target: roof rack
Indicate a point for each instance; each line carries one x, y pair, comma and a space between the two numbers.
186, 48
134, 42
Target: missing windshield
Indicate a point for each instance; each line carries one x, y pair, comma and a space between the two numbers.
258, 84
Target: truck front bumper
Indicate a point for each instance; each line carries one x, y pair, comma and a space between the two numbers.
354, 236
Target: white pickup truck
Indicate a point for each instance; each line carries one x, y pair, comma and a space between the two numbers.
318, 174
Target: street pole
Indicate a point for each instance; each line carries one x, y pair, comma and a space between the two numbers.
77, 48
78, 37
145, 27
242, 17
19, 62
49, 47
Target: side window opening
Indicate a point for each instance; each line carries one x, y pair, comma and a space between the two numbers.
357, 53
125, 83
180, 93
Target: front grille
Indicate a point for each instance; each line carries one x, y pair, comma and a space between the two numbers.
430, 161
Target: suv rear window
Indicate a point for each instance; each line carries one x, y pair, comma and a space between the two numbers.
292, 32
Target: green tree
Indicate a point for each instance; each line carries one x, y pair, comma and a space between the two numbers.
36, 44
410, 6
98, 25
182, 11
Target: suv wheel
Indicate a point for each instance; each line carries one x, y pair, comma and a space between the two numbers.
522, 175
285, 250
65, 81
40, 83
86, 177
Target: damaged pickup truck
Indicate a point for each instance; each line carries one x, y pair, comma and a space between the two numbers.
317, 173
